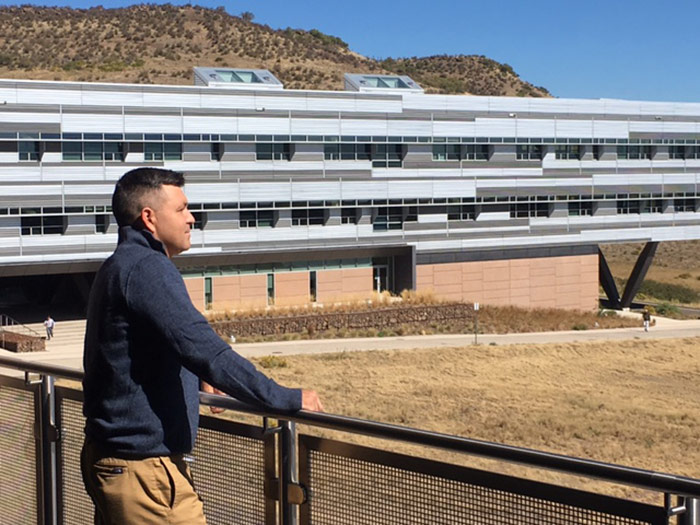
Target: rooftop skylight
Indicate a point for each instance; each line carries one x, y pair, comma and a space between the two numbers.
380, 83
237, 78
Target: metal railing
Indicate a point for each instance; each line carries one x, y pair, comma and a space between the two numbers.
8, 324
274, 475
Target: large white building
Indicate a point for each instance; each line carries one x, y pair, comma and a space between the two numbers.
319, 195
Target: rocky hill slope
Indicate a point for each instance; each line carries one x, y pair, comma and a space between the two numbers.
160, 43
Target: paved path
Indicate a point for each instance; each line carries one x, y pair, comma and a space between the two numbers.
66, 348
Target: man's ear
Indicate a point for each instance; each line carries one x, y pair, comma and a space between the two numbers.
148, 218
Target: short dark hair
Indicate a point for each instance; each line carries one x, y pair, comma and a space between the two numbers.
133, 186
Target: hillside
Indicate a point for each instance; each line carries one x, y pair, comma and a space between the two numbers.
161, 43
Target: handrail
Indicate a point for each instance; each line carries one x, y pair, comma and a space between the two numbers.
645, 479
8, 322
17, 363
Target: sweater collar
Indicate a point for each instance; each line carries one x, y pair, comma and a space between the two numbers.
143, 237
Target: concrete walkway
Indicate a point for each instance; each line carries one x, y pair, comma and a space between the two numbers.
66, 348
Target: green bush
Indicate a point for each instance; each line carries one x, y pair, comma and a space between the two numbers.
328, 39
579, 326
669, 292
667, 310
273, 361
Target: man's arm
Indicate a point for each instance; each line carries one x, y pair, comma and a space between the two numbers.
310, 399
157, 293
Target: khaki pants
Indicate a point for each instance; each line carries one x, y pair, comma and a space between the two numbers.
140, 492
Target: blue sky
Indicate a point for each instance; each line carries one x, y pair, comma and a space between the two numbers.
642, 50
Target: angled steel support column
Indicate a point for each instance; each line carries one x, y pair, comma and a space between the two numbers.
638, 273
606, 281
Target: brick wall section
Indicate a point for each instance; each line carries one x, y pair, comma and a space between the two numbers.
292, 288
239, 291
343, 285
569, 282
195, 287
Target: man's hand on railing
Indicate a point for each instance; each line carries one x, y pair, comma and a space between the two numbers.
311, 401
206, 387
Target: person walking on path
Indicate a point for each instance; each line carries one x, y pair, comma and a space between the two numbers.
146, 349
646, 317
49, 324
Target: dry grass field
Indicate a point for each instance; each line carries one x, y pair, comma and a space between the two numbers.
634, 403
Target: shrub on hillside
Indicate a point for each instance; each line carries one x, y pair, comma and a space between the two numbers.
669, 292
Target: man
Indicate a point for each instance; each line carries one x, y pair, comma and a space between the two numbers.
646, 316
49, 324
145, 347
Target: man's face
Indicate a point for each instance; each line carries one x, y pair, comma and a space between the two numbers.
170, 220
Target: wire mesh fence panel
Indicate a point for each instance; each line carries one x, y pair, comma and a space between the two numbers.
75, 505
356, 485
19, 503
229, 472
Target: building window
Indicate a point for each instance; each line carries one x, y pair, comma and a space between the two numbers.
114, 151
463, 212
43, 225
446, 152
653, 206
216, 151
634, 152
267, 151
159, 151
676, 152
684, 205
200, 220
580, 208
692, 152
388, 218
308, 216
355, 151
312, 285
331, 151
72, 151
598, 152
628, 207
208, 293
528, 152
257, 219
28, 151
349, 215
270, 289
387, 155
347, 151
529, 209
101, 223
567, 152
93, 151
411, 214
464, 152
475, 152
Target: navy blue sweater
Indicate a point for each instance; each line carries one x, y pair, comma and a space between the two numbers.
145, 347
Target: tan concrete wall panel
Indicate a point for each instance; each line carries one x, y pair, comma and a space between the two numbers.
291, 288
343, 285
195, 289
556, 282
239, 291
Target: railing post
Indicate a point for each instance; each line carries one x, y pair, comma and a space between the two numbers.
691, 516
288, 476
49, 436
